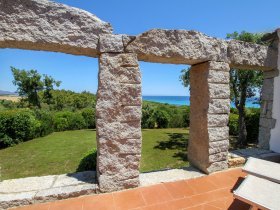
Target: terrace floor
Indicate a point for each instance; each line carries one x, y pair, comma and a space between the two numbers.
208, 192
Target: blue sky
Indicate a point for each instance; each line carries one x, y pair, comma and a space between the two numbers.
215, 18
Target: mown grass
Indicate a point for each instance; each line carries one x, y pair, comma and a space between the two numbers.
61, 152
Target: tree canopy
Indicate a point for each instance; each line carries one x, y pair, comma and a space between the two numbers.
30, 83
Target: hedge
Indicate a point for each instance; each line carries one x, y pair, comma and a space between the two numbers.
18, 125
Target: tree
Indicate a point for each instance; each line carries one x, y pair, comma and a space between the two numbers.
30, 83
49, 84
244, 84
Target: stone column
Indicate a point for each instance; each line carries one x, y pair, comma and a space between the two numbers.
118, 117
267, 115
209, 114
266, 121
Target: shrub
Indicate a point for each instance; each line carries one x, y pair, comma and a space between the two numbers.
77, 121
89, 117
18, 125
233, 124
46, 121
161, 118
88, 162
60, 124
252, 124
147, 120
25, 126
69, 121
6, 141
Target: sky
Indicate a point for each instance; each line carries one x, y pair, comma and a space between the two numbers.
215, 18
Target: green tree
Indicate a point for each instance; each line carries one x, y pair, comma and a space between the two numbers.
30, 83
49, 84
244, 84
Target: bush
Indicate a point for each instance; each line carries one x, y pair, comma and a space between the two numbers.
252, 124
88, 162
18, 125
89, 117
69, 121
161, 118
6, 141
60, 124
46, 121
233, 124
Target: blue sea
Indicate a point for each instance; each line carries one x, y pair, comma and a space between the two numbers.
185, 100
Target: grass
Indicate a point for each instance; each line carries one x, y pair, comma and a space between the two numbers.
61, 152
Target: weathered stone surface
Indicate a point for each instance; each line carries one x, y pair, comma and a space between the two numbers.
218, 66
28, 184
266, 109
58, 193
119, 166
264, 136
267, 89
16, 199
124, 94
107, 110
245, 55
267, 122
217, 166
118, 130
219, 106
221, 91
210, 104
218, 133
75, 179
111, 43
217, 120
46, 25
119, 68
218, 77
236, 162
271, 74
177, 46
122, 146
30, 190
118, 113
109, 184
218, 146
217, 157
127, 39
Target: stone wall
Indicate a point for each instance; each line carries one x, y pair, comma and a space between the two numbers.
209, 112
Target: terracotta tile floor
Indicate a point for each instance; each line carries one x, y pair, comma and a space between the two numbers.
205, 193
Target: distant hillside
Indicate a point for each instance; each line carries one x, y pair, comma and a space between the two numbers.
4, 92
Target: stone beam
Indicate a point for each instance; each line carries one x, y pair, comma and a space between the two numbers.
191, 47
209, 112
244, 55
50, 26
177, 47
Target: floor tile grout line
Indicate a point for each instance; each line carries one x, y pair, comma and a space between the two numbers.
172, 198
114, 202
146, 203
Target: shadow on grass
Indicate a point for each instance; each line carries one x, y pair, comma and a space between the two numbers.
176, 141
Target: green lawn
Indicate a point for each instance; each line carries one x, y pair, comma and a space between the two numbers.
61, 152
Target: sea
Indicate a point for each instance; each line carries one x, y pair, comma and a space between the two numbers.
185, 100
